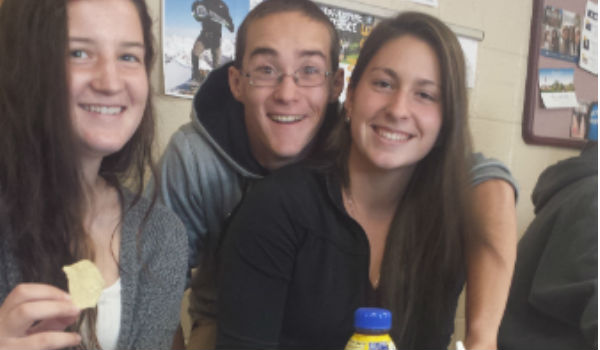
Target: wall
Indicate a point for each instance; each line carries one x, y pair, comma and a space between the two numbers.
496, 101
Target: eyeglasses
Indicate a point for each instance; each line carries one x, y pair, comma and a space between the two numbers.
307, 76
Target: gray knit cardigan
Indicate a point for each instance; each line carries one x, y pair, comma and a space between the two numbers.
151, 286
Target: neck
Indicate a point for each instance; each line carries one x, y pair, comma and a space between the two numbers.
91, 178
94, 186
271, 162
376, 189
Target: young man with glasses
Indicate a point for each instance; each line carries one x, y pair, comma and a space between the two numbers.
271, 107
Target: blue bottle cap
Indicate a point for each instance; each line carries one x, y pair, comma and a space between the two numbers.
372, 318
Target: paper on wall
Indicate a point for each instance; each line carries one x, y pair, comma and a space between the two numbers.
557, 88
432, 3
469, 47
588, 59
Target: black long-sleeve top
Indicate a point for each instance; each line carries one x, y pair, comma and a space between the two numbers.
295, 267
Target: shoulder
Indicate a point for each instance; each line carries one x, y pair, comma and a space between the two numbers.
188, 144
293, 193
191, 159
484, 169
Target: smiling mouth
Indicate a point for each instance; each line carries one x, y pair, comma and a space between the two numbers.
107, 110
393, 136
285, 119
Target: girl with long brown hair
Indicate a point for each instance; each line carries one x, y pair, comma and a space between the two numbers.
76, 124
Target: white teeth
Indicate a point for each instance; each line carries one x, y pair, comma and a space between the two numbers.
285, 118
103, 109
393, 136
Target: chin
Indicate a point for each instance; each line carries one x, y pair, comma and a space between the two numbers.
104, 150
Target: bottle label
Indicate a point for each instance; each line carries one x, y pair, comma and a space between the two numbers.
370, 342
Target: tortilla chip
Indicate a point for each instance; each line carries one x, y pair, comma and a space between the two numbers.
85, 283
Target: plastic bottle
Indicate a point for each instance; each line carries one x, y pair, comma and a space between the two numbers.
593, 122
371, 330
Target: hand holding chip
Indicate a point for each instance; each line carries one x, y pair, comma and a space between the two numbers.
34, 316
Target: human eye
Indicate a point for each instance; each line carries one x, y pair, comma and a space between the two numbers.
265, 71
310, 70
382, 85
427, 96
134, 58
78, 53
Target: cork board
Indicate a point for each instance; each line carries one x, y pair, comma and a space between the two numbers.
554, 126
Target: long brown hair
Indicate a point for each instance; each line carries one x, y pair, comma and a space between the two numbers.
423, 260
41, 188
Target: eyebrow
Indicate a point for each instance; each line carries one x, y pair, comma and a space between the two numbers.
271, 52
393, 74
123, 44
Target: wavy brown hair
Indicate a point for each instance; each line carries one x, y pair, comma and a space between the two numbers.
41, 188
423, 261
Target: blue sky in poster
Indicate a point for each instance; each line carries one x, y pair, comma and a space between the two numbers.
179, 19
562, 75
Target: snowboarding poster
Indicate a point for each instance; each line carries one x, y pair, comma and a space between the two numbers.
353, 28
198, 36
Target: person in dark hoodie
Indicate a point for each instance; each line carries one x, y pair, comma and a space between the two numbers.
243, 127
553, 301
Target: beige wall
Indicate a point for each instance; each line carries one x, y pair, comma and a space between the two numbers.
496, 101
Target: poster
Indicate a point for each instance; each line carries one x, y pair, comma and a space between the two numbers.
198, 36
557, 87
353, 28
589, 44
561, 34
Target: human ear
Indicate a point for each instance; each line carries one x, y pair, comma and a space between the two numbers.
337, 85
235, 82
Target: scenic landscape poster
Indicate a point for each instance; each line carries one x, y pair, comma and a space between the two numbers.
198, 36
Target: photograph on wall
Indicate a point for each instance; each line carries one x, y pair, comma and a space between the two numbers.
561, 34
578, 127
589, 44
557, 88
198, 36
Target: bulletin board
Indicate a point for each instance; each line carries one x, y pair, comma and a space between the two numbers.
561, 85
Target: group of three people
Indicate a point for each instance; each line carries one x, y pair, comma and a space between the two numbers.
386, 206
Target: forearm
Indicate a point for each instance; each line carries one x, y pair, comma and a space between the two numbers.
491, 254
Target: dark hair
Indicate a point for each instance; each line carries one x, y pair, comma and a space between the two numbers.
41, 188
423, 258
270, 7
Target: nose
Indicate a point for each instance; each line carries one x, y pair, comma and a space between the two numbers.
399, 105
286, 90
106, 76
